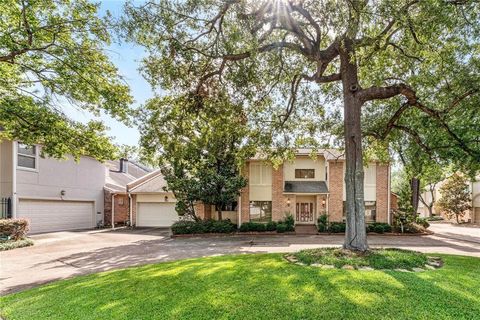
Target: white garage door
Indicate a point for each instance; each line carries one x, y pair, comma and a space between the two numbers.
155, 214
56, 215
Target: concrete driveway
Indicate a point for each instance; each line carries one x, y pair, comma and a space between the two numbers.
66, 254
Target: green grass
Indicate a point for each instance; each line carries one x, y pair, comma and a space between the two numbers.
10, 244
376, 258
263, 286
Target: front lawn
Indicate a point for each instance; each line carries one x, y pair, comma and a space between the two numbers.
256, 287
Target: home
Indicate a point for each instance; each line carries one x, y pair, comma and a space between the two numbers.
117, 201
53, 194
305, 187
472, 215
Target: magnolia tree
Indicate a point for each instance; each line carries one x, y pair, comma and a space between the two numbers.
455, 197
395, 65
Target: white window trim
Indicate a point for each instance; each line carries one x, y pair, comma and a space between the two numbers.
262, 167
37, 153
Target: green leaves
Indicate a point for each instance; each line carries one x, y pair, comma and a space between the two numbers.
52, 54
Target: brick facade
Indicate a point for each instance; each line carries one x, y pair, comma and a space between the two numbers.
203, 211
278, 200
245, 197
335, 186
382, 192
121, 208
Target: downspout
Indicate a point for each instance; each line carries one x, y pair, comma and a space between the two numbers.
113, 211
389, 210
130, 207
14, 179
239, 211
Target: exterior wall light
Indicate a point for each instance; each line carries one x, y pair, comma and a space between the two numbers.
166, 198
288, 202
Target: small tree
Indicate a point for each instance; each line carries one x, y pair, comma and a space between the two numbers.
200, 145
455, 200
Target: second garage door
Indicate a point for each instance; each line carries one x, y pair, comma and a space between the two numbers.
156, 214
56, 215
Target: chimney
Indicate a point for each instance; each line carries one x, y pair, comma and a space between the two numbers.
124, 165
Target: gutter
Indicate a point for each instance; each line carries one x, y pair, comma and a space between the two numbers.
14, 179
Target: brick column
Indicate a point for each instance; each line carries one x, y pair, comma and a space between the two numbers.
335, 186
382, 192
277, 194
107, 207
245, 197
134, 209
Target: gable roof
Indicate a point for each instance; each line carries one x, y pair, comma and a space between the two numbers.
116, 181
150, 183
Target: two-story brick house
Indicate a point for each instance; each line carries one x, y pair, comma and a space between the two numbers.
305, 187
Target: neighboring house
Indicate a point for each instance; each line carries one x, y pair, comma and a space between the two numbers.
118, 174
53, 194
152, 205
304, 188
471, 216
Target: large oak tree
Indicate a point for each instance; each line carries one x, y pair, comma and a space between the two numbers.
52, 54
392, 65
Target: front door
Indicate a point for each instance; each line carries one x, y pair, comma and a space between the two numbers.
304, 213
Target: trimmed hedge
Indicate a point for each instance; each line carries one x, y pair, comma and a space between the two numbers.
253, 227
337, 227
11, 244
379, 227
203, 226
14, 229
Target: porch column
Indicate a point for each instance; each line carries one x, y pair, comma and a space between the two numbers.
277, 194
382, 192
335, 186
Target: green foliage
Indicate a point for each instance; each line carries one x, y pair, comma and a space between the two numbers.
282, 227
379, 227
200, 146
289, 221
337, 227
411, 222
253, 227
13, 244
271, 226
455, 197
322, 223
376, 258
203, 226
52, 54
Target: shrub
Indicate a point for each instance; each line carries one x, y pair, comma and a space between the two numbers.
337, 227
10, 244
322, 223
379, 227
282, 227
423, 222
271, 226
253, 227
434, 218
289, 222
203, 226
15, 229
188, 227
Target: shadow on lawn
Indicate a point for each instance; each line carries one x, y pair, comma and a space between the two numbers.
254, 287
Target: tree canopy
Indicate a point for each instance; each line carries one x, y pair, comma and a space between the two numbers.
52, 54
403, 69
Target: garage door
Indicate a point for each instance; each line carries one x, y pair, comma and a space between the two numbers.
155, 214
56, 215
476, 215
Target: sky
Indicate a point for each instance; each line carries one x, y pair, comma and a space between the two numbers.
126, 56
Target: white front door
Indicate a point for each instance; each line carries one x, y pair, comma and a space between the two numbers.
304, 213
156, 214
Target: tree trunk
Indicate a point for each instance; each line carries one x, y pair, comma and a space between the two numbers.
415, 187
219, 211
355, 235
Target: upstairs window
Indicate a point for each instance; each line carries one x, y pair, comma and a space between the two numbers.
304, 173
27, 156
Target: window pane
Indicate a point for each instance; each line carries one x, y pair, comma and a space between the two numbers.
304, 173
26, 162
28, 150
261, 211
